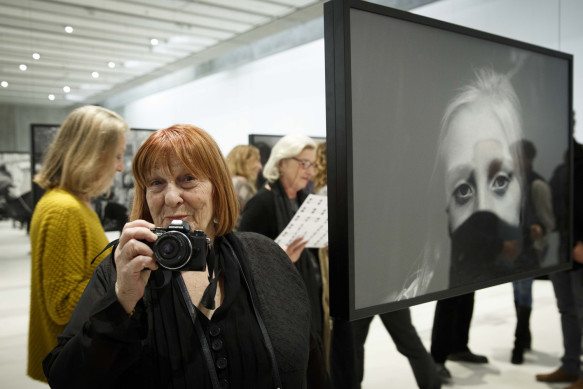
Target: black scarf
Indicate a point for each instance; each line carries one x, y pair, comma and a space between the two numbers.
283, 211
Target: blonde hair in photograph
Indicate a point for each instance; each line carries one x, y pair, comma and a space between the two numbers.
82, 151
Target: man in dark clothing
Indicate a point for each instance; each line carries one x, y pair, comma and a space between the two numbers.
450, 335
538, 221
347, 350
568, 285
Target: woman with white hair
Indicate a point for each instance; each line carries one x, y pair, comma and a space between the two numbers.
289, 169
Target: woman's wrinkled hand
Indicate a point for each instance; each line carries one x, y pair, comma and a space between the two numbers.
134, 261
295, 248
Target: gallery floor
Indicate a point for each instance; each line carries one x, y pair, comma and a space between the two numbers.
491, 333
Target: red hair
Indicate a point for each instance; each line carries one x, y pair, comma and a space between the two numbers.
198, 152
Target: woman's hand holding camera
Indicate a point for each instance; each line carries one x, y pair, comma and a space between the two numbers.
134, 261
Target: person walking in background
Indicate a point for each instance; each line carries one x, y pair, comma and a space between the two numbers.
538, 222
346, 365
244, 163
568, 284
65, 232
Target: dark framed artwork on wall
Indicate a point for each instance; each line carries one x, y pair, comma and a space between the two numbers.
41, 136
430, 128
113, 209
15, 190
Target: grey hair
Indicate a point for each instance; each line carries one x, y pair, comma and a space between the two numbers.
287, 147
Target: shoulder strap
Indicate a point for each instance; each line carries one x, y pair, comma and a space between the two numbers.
252, 294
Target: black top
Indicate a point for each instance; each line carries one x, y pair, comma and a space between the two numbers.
158, 346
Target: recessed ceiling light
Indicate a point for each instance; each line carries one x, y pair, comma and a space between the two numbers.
132, 64
4, 84
51, 97
95, 75
179, 39
36, 55
111, 64
23, 67
68, 29
66, 89
154, 41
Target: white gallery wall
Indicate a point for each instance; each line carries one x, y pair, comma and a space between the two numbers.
285, 93
280, 94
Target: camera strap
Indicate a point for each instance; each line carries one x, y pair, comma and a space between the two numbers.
113, 243
200, 333
215, 267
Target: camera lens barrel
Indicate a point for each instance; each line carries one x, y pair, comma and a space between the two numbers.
173, 250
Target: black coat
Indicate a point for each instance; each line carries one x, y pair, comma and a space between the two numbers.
102, 348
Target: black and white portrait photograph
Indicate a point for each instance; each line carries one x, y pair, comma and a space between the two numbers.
454, 140
15, 190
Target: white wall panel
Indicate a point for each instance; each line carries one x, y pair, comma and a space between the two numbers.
279, 94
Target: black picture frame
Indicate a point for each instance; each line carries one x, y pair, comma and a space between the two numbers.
113, 210
390, 75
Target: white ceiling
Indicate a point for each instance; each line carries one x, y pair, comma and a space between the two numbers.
189, 32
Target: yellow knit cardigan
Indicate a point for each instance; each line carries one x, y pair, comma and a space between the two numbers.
65, 235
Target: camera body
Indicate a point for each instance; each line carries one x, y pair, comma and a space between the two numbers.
179, 248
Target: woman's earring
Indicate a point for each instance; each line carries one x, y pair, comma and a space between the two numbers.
215, 220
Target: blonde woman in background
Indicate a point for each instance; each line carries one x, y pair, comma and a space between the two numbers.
65, 232
244, 163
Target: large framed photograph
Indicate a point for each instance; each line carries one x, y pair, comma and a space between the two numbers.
112, 208
449, 159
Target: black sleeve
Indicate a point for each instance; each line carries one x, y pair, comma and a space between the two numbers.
258, 215
101, 342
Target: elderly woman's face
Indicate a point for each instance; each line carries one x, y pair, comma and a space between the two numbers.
180, 196
480, 173
294, 174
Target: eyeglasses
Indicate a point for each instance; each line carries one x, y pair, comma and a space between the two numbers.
305, 164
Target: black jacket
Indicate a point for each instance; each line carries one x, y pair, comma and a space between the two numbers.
102, 348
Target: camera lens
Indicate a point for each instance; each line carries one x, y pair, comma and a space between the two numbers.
168, 249
172, 250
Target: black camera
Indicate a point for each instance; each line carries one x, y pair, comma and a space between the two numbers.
179, 248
